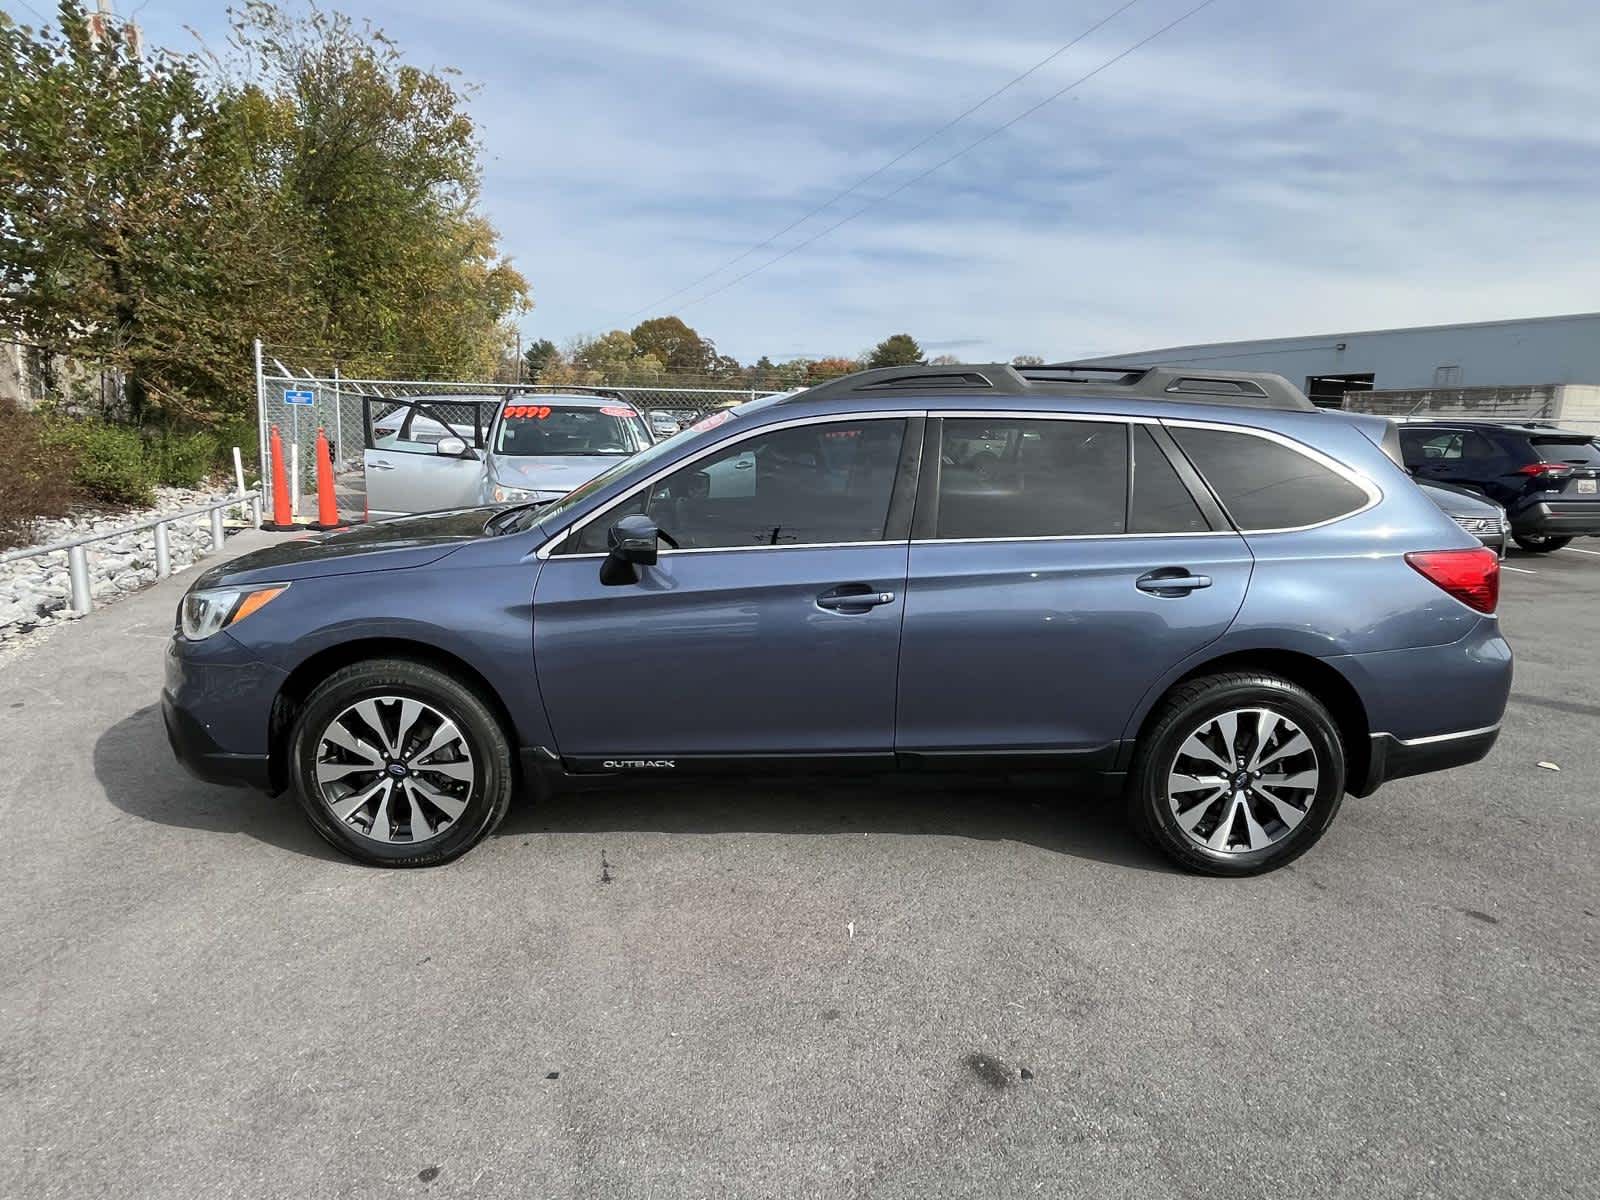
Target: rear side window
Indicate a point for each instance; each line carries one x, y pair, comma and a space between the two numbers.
1161, 502
1032, 478
1444, 445
1265, 485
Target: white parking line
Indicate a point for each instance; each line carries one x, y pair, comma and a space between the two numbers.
1519, 570
1577, 550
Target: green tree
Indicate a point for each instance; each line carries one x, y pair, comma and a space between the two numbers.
380, 162
538, 357
126, 190
897, 350
158, 211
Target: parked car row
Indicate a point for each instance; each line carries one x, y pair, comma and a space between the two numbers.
1194, 589
1546, 480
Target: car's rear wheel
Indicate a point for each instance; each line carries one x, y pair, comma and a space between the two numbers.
1536, 544
400, 764
1237, 774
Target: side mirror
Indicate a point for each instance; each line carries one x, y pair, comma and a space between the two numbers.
453, 447
632, 542
634, 539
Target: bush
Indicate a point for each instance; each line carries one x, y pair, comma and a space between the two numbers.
35, 482
185, 460
110, 464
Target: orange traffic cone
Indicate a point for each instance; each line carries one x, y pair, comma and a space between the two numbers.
327, 503
282, 519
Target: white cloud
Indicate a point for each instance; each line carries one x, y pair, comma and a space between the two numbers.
1263, 169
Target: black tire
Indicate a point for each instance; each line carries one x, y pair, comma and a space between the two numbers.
1188, 707
1536, 544
490, 791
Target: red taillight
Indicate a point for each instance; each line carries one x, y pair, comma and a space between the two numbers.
1471, 576
1552, 470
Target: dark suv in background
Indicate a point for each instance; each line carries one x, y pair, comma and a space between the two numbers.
1547, 479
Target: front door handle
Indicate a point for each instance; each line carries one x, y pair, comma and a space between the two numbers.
853, 598
378, 464
1171, 581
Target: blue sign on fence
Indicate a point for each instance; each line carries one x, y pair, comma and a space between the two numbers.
299, 397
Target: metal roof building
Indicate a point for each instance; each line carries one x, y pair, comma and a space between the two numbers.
1519, 354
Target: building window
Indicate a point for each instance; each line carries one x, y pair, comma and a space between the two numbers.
1448, 375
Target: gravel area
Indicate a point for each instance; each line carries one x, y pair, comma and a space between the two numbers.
35, 593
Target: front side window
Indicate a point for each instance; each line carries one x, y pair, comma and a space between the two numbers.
820, 483
1015, 477
568, 430
1264, 484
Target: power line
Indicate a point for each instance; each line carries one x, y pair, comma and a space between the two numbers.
946, 161
906, 153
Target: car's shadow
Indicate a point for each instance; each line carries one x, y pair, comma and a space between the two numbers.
140, 777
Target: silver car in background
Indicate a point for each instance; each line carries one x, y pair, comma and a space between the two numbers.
437, 453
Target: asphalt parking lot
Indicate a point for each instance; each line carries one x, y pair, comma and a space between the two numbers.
808, 989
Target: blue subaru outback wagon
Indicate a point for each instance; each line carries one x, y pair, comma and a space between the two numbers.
1201, 593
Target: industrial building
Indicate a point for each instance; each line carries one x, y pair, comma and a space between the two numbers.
1537, 367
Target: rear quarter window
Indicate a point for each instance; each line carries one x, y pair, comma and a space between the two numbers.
1266, 485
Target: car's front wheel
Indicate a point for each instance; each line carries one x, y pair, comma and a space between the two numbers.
400, 764
1237, 774
1536, 544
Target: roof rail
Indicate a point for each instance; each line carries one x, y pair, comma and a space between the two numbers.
1245, 389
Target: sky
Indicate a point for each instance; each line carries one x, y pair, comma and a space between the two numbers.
1263, 168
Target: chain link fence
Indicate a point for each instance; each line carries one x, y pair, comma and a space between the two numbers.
297, 402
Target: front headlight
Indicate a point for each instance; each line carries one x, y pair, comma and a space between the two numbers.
204, 613
502, 493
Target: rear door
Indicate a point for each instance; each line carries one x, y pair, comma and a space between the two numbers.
405, 473
1059, 566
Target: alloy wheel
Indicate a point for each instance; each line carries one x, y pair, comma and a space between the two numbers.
1243, 780
394, 770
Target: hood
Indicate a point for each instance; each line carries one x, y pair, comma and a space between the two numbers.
378, 546
1459, 501
554, 475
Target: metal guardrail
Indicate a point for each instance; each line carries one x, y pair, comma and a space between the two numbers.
78, 557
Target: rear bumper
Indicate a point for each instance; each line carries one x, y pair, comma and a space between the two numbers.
1394, 758
1559, 518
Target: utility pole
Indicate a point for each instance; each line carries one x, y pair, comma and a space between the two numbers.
519, 354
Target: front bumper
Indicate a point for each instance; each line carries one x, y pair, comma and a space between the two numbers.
200, 755
216, 704
1559, 518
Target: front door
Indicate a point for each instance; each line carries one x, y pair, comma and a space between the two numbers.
772, 629
1041, 602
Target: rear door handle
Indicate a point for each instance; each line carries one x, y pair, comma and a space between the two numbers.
853, 598
1171, 581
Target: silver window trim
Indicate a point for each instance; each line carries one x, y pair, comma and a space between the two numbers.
554, 542
1373, 493
1371, 490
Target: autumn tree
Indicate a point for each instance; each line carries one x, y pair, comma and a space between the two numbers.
676, 346
1027, 360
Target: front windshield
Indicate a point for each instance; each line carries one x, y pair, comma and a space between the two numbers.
516, 520
569, 431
